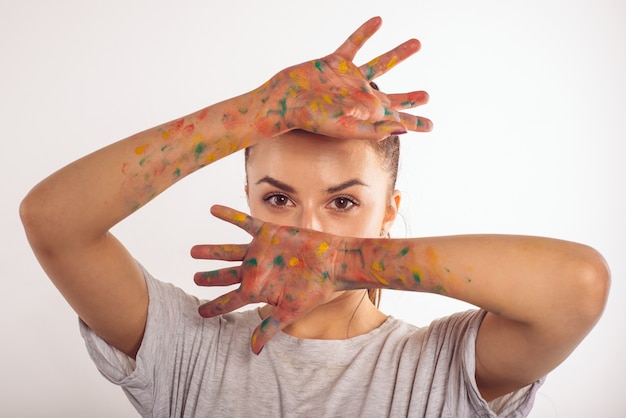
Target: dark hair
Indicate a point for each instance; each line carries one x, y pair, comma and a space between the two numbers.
388, 152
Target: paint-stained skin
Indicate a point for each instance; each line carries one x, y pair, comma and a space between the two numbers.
296, 272
330, 95
292, 268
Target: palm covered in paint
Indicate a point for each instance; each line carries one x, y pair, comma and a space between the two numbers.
332, 96
289, 268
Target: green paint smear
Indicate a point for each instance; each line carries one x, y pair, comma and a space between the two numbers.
416, 277
264, 324
370, 73
319, 65
419, 122
142, 161
439, 290
338, 114
177, 173
283, 108
408, 103
289, 298
325, 275
243, 111
199, 149
294, 231
278, 261
358, 252
251, 262
403, 252
388, 112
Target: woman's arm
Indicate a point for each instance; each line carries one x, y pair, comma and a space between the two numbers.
543, 295
68, 216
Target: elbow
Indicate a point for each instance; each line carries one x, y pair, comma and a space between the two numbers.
36, 222
593, 281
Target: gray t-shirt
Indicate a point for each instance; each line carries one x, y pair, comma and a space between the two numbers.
189, 366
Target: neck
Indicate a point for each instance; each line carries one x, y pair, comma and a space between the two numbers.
349, 314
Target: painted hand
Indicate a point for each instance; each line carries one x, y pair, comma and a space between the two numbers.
289, 268
333, 97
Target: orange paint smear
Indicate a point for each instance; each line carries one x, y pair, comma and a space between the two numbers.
231, 121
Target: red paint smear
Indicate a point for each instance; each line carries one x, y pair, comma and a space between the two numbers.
156, 171
188, 130
203, 114
176, 126
124, 166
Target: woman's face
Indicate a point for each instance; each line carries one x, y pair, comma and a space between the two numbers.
310, 181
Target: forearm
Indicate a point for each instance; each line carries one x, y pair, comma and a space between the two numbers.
521, 278
86, 198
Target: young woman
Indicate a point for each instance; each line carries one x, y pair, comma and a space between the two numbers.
321, 193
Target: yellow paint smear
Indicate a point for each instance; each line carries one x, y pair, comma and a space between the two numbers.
294, 262
239, 217
378, 266
141, 149
343, 67
323, 247
380, 279
392, 63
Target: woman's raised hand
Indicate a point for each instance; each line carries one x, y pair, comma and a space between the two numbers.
289, 268
333, 97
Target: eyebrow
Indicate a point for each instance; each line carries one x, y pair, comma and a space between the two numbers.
334, 189
345, 185
277, 183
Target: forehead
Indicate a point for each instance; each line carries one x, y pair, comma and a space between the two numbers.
298, 153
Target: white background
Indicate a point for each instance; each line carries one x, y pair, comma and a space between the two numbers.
528, 100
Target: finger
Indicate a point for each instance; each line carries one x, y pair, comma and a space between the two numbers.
416, 123
408, 100
352, 45
383, 63
240, 219
223, 304
226, 252
270, 326
351, 127
222, 277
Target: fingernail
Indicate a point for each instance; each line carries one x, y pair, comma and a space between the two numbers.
399, 132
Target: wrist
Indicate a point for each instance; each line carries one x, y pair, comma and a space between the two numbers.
384, 263
269, 102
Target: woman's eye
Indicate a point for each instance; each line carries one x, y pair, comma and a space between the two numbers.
278, 200
342, 203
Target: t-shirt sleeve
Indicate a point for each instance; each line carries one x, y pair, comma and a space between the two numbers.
166, 309
464, 327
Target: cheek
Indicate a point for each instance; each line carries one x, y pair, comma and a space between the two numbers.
366, 223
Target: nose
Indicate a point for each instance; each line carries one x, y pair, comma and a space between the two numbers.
310, 220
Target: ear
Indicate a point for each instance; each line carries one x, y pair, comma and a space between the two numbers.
392, 210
